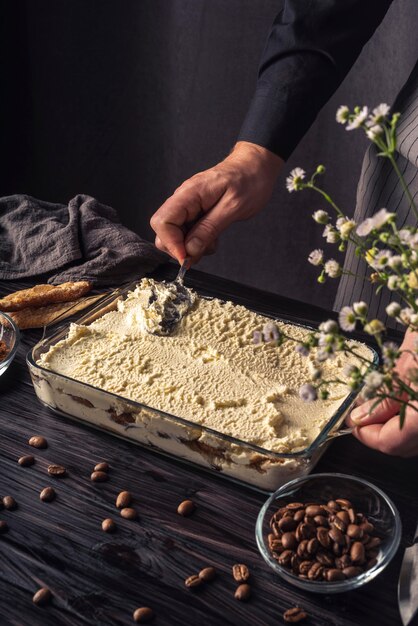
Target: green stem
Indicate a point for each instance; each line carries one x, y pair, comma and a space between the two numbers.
403, 183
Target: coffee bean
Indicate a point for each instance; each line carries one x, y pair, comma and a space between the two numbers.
337, 536
325, 559
302, 549
334, 574
373, 542
357, 552
299, 516
367, 527
343, 516
37, 441
186, 508
275, 544
343, 503
333, 505
3, 526
312, 546
338, 523
193, 581
316, 571
289, 541
343, 561
313, 510
240, 572
143, 615
354, 531
294, 615
351, 571
129, 513
101, 467
27, 460
320, 520
207, 574
108, 525
323, 537
56, 470
371, 563
42, 596
99, 477
9, 503
243, 592
352, 515
294, 563
287, 524
285, 557
304, 567
47, 494
123, 500
294, 506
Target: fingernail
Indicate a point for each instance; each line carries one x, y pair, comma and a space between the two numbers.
358, 414
195, 246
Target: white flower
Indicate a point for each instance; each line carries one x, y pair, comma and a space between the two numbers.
301, 349
270, 332
316, 257
332, 268
378, 114
347, 228
390, 353
308, 393
375, 222
347, 319
293, 181
393, 283
374, 132
413, 241
328, 327
380, 260
406, 315
404, 235
315, 372
395, 262
393, 309
358, 120
374, 379
349, 369
374, 327
360, 308
330, 234
321, 217
342, 114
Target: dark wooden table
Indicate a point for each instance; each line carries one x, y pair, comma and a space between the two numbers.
98, 578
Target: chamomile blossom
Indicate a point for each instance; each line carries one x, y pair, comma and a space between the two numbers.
358, 119
394, 282
347, 228
308, 393
395, 262
294, 180
342, 115
380, 259
374, 132
316, 257
321, 217
374, 379
378, 114
347, 319
328, 327
393, 309
360, 308
330, 234
375, 222
333, 268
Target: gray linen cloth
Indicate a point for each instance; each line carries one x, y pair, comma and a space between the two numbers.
82, 241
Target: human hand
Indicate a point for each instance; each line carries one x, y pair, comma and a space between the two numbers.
380, 428
189, 223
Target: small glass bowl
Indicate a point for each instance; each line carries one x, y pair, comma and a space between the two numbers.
10, 335
320, 488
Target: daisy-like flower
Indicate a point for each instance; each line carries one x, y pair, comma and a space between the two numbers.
342, 115
394, 282
350, 369
393, 309
316, 257
347, 228
395, 262
374, 131
330, 234
374, 327
328, 327
321, 217
307, 393
294, 180
380, 259
347, 319
375, 222
301, 349
358, 120
270, 332
374, 379
378, 114
315, 372
412, 279
404, 235
333, 268
360, 308
390, 352
413, 241
405, 315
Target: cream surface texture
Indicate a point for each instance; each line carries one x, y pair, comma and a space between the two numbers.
208, 371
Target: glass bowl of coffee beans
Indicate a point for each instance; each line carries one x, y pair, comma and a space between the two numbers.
328, 533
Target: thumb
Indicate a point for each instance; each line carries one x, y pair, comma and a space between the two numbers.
374, 412
205, 232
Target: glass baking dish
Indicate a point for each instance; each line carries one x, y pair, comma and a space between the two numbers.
174, 436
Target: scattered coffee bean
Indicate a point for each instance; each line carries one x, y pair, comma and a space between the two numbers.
3, 526
101, 467
143, 615
207, 574
186, 508
99, 477
48, 494
42, 596
108, 525
329, 541
37, 441
243, 592
193, 581
9, 503
240, 572
123, 500
27, 460
129, 513
56, 470
294, 615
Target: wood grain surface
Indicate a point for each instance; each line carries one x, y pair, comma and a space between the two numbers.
100, 579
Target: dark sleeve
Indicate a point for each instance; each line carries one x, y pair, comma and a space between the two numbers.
310, 49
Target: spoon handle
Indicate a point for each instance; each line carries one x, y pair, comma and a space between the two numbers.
183, 269
339, 433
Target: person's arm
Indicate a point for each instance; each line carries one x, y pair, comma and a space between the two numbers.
312, 46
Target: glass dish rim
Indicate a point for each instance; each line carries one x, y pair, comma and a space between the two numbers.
6, 362
305, 453
326, 586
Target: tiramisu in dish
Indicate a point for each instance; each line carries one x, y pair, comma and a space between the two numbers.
208, 372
